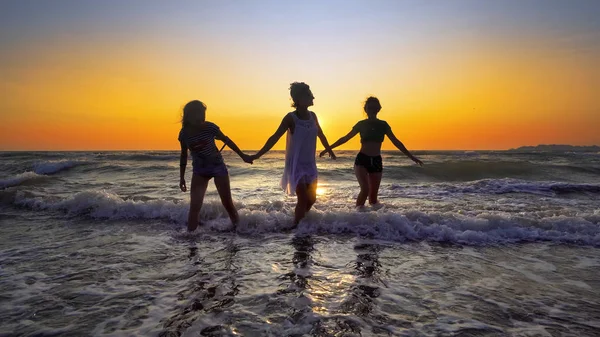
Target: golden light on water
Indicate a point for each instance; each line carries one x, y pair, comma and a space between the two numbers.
336, 289
321, 191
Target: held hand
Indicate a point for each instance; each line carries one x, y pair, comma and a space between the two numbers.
248, 159
331, 154
182, 185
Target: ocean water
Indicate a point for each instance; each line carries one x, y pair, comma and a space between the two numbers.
472, 244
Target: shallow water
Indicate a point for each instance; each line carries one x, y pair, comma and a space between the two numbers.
94, 244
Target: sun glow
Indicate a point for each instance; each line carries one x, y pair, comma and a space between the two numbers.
495, 87
322, 123
321, 191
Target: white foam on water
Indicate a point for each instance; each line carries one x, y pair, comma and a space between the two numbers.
389, 223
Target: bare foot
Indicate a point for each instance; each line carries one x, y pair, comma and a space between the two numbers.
193, 228
361, 208
377, 206
294, 225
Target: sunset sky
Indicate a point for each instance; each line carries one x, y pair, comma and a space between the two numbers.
114, 75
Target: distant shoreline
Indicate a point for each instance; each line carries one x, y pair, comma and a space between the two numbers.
557, 148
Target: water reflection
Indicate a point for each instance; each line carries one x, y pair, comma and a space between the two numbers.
212, 287
366, 289
301, 260
298, 305
193, 252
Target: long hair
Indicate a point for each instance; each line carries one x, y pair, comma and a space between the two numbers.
193, 113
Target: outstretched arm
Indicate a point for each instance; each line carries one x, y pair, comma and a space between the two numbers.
323, 139
341, 141
220, 136
182, 163
283, 127
397, 143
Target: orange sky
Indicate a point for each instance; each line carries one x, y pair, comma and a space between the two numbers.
487, 90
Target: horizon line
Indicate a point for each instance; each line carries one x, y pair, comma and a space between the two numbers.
255, 150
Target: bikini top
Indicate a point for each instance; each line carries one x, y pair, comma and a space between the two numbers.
372, 130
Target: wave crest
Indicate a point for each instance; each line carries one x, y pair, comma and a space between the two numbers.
497, 186
470, 170
51, 167
20, 179
385, 223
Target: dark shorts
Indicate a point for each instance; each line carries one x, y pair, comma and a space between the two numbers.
209, 168
373, 164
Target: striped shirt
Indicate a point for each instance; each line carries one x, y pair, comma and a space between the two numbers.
201, 142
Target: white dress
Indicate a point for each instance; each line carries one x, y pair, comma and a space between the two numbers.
300, 152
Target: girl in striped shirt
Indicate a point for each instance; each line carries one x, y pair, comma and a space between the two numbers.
198, 136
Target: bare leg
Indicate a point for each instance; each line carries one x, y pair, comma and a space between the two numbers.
224, 189
302, 205
197, 191
374, 181
363, 180
311, 194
